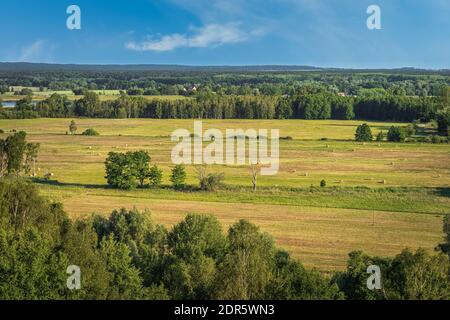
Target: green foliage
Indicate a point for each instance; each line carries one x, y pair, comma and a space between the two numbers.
88, 105
445, 247
294, 282
155, 176
396, 134
120, 170
31, 154
323, 183
211, 181
178, 177
410, 130
141, 162
15, 148
90, 132
409, 276
125, 170
127, 256
443, 120
380, 136
248, 261
363, 133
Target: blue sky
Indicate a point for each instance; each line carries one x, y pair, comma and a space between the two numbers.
327, 33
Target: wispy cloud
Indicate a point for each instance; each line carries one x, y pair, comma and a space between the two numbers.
38, 51
211, 35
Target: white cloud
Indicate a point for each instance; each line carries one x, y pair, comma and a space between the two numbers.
211, 35
38, 51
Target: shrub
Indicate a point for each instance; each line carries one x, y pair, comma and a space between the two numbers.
48, 176
396, 134
410, 130
323, 184
438, 139
211, 182
380, 136
90, 132
2, 131
363, 133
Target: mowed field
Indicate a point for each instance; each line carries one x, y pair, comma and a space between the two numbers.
380, 197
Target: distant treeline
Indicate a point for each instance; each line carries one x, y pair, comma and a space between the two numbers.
305, 104
222, 82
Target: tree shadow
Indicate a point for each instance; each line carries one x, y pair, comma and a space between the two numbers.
442, 191
68, 184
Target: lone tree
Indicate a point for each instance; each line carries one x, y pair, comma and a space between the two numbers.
396, 134
254, 171
73, 127
31, 153
155, 176
178, 177
363, 133
15, 148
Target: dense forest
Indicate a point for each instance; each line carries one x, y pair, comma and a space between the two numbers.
128, 256
397, 96
167, 81
308, 103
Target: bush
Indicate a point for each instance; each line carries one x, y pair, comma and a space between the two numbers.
323, 184
396, 134
2, 131
380, 136
410, 130
438, 139
363, 133
211, 182
90, 132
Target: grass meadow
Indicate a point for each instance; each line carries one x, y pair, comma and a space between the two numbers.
380, 197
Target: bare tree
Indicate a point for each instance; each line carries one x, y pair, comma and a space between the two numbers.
255, 168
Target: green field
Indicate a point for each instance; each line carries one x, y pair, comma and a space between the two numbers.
104, 95
380, 197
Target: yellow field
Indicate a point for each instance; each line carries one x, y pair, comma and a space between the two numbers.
320, 228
